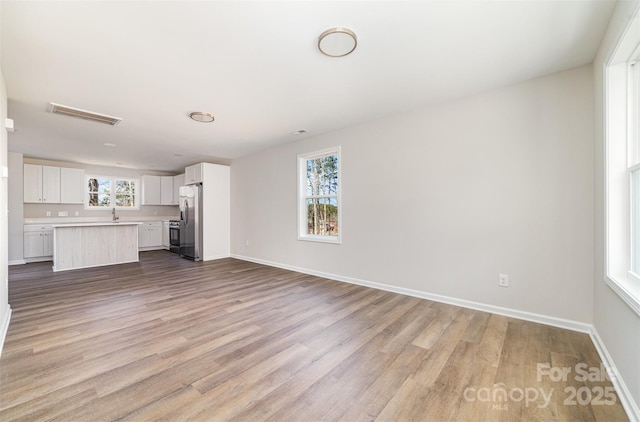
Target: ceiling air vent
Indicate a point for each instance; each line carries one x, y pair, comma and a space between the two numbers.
83, 114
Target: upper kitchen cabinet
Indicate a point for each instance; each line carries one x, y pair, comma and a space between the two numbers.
151, 190
193, 174
158, 190
41, 184
71, 186
166, 190
32, 183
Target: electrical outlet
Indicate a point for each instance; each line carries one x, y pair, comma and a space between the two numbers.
77, 213
503, 280
63, 214
246, 242
48, 213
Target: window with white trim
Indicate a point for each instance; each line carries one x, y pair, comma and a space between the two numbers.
107, 192
319, 196
622, 167
634, 162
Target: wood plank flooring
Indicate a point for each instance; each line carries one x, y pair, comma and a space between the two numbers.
175, 340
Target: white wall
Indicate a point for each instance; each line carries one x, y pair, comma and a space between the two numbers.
442, 199
5, 309
617, 325
216, 208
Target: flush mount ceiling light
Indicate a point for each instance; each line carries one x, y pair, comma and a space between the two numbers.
202, 117
337, 42
83, 114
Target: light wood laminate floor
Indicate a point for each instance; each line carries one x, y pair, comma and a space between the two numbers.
171, 339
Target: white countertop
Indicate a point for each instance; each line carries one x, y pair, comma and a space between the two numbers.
106, 223
91, 220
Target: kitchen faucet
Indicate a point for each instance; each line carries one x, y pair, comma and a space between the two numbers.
114, 215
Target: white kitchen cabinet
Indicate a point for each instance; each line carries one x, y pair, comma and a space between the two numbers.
158, 190
32, 183
33, 244
71, 186
193, 174
177, 182
38, 242
166, 190
41, 184
165, 235
150, 235
50, 184
151, 190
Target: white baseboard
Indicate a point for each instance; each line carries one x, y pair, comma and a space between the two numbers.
625, 396
150, 248
214, 257
4, 327
17, 262
38, 259
513, 313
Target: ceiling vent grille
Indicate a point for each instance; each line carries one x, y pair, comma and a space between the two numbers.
83, 114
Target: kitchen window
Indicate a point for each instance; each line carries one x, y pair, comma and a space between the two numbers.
111, 192
319, 209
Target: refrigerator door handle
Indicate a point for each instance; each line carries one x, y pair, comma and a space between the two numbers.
186, 212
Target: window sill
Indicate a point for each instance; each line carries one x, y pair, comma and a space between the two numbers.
321, 239
109, 209
628, 288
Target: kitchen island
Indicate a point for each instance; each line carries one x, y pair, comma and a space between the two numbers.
84, 245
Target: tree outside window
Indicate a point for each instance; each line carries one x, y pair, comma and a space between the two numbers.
99, 192
125, 193
111, 192
319, 201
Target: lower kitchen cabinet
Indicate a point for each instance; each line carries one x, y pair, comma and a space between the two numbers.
38, 242
150, 235
165, 235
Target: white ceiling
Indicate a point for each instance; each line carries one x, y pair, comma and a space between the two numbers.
256, 67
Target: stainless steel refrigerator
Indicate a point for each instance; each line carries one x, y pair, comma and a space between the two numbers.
191, 222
